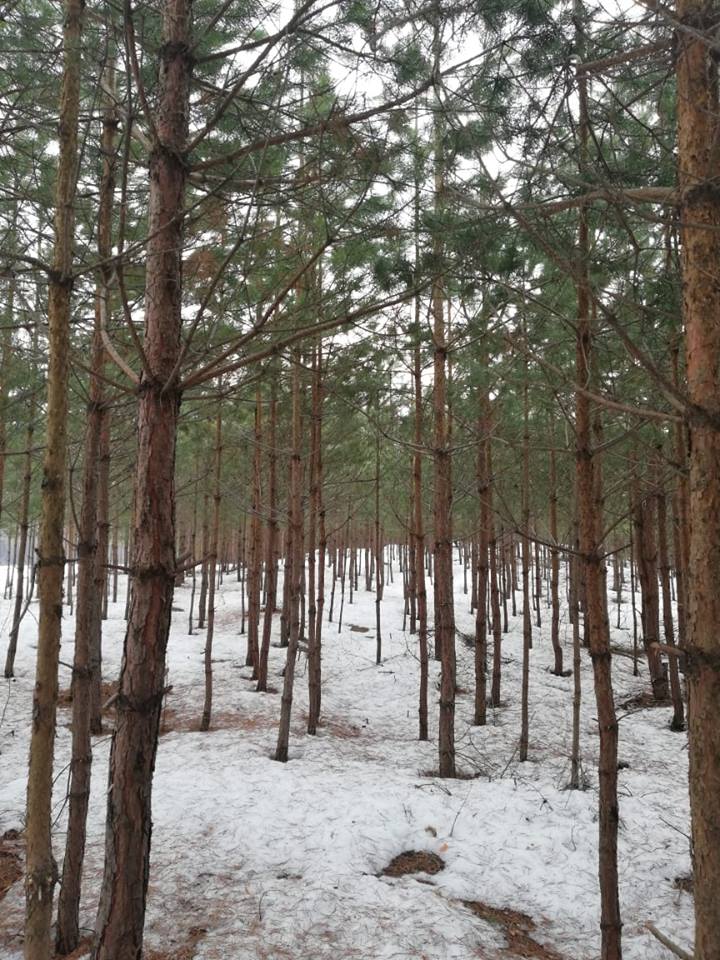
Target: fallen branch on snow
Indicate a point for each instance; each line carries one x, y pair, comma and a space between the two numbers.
667, 942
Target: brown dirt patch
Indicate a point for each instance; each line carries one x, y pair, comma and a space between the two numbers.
11, 860
172, 721
684, 882
340, 728
413, 861
181, 951
355, 628
109, 689
516, 927
176, 721
642, 701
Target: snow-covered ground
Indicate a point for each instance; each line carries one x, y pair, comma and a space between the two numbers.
256, 860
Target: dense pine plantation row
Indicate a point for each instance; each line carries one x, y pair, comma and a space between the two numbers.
359, 381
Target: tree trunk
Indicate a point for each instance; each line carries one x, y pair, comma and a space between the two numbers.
593, 588
378, 554
254, 584
317, 520
92, 569
296, 567
121, 911
204, 569
699, 214
678, 720
271, 559
22, 539
40, 867
647, 558
419, 536
481, 590
212, 562
527, 612
494, 586
555, 568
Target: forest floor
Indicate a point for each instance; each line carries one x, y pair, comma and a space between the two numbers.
256, 860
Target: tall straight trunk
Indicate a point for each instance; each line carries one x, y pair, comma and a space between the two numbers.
254, 584
99, 412
213, 573
6, 343
343, 569
296, 566
512, 564
103, 515
593, 587
699, 215
481, 617
378, 554
317, 520
527, 612
204, 569
411, 568
419, 536
442, 497
10, 569
442, 553
538, 585
575, 755
114, 554
40, 867
271, 546
316, 665
70, 566
121, 911
193, 555
242, 567
504, 579
22, 539
632, 600
555, 567
287, 574
493, 548
88, 613
678, 719
681, 522
92, 564
312, 530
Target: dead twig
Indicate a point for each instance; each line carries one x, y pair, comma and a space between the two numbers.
667, 942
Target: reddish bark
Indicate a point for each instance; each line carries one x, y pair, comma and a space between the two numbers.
132, 759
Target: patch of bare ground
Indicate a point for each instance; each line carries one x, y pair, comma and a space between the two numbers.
176, 721
11, 872
109, 689
516, 927
684, 882
642, 701
179, 951
413, 861
339, 728
11, 860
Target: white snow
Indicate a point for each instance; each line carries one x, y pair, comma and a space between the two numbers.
282, 861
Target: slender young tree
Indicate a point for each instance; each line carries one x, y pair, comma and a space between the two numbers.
213, 571
588, 485
40, 867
